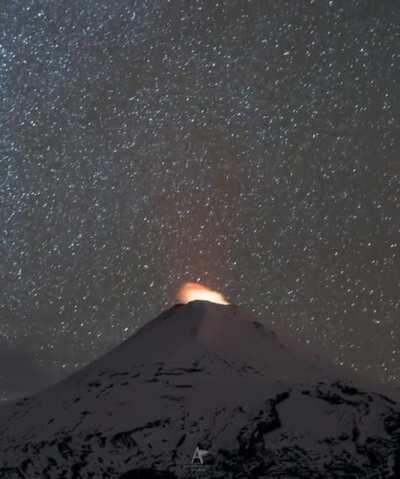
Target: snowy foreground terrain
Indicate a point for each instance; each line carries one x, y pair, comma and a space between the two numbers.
202, 375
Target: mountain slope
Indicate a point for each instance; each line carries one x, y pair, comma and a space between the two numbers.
204, 374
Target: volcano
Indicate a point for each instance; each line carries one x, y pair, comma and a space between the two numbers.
203, 377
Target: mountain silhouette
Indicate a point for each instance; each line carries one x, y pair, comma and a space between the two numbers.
206, 375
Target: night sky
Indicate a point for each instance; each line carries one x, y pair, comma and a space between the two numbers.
250, 145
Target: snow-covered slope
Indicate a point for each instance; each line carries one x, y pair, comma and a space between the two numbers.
203, 374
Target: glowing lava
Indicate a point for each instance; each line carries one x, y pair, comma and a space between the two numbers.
195, 291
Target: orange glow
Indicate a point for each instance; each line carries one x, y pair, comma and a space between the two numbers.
195, 291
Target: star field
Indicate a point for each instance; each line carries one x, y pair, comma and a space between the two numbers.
251, 145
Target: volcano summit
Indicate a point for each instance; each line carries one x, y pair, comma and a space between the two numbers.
207, 376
